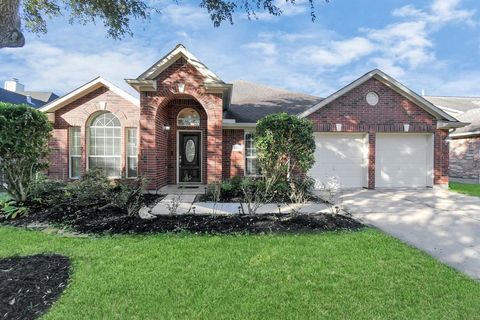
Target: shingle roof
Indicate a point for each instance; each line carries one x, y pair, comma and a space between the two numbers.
17, 98
467, 110
42, 96
251, 101
458, 103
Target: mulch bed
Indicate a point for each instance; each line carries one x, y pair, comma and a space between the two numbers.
30, 285
116, 222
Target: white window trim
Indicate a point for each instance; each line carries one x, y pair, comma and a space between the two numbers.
126, 151
87, 145
248, 157
70, 156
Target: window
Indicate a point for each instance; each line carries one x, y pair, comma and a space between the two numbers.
188, 117
372, 98
105, 144
131, 152
251, 164
75, 152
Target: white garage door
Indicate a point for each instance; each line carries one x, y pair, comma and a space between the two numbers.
343, 156
403, 160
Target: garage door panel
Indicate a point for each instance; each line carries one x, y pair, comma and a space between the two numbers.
341, 156
402, 160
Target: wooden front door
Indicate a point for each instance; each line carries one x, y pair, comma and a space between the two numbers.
190, 158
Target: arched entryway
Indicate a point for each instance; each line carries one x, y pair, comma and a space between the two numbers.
182, 141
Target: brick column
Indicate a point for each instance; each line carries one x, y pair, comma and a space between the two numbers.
371, 160
147, 162
441, 157
214, 147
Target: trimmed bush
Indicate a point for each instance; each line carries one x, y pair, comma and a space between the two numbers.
24, 139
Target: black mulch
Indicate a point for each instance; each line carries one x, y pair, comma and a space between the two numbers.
117, 222
30, 285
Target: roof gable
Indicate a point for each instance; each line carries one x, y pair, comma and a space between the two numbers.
84, 90
179, 52
390, 82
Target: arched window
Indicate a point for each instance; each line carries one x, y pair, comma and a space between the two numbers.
105, 144
188, 117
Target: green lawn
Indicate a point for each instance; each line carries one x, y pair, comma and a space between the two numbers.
361, 275
466, 188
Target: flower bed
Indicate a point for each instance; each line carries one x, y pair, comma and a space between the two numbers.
30, 285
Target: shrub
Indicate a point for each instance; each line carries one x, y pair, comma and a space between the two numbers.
44, 192
24, 139
128, 195
285, 144
94, 191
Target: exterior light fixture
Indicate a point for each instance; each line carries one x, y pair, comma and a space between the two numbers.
406, 127
181, 87
339, 126
166, 128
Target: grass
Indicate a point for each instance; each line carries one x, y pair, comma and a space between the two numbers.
466, 188
361, 275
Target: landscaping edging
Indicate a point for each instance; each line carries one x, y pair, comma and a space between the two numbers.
30, 285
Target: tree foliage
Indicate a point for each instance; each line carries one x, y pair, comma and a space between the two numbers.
115, 15
285, 143
24, 136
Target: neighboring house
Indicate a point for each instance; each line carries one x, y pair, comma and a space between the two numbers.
190, 126
14, 92
464, 142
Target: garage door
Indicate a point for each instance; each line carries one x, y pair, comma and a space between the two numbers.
343, 156
403, 160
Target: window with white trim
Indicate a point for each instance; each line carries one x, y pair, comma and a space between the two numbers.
105, 144
131, 154
251, 160
75, 151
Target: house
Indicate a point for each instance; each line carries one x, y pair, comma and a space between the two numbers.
14, 92
464, 142
189, 126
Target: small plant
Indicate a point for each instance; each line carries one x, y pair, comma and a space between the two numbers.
300, 192
216, 191
330, 193
10, 210
174, 203
128, 195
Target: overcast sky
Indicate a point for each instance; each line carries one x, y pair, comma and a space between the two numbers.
432, 45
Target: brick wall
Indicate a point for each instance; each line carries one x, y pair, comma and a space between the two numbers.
233, 161
156, 113
465, 159
78, 114
389, 115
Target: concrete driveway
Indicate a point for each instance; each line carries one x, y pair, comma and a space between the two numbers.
442, 223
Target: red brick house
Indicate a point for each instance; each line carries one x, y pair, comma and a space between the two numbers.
191, 127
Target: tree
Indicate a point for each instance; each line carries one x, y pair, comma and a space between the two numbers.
114, 14
24, 139
285, 144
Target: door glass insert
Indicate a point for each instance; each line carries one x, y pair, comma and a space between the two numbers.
190, 150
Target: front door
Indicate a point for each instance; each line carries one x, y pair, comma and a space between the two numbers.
190, 162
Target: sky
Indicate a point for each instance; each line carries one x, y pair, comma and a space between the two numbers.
430, 45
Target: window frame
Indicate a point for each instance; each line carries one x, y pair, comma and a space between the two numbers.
188, 126
127, 148
70, 156
87, 143
252, 133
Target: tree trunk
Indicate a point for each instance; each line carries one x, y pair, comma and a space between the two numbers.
10, 29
